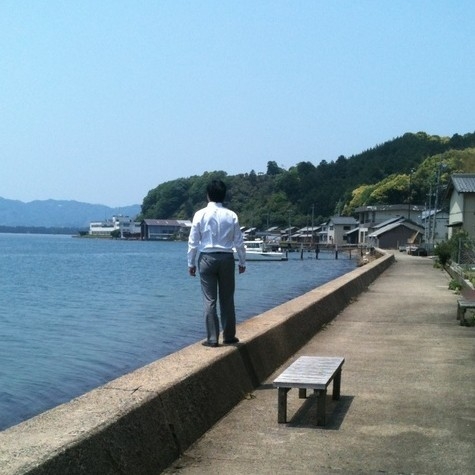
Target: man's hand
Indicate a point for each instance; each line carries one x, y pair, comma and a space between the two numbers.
192, 271
242, 269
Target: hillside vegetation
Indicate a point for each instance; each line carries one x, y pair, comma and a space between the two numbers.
406, 169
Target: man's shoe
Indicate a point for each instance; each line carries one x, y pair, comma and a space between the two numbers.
210, 344
231, 341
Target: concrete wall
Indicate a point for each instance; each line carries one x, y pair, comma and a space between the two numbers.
457, 273
141, 422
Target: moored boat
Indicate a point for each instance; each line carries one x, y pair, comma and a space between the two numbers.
259, 250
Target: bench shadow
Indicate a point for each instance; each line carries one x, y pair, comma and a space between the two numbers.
306, 415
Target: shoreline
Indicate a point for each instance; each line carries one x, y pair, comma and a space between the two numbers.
171, 402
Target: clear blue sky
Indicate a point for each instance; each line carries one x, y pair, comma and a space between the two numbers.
103, 100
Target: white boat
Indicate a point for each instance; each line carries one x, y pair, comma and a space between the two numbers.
258, 250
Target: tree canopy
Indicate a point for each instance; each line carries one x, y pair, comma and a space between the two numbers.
403, 170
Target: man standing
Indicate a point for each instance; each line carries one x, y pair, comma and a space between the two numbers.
214, 233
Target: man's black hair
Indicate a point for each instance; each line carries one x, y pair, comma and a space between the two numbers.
216, 190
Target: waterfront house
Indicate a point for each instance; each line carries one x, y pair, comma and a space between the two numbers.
335, 231
371, 217
307, 235
248, 233
323, 233
271, 234
165, 229
395, 233
126, 225
287, 235
461, 194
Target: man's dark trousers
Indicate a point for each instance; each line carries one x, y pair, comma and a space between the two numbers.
217, 284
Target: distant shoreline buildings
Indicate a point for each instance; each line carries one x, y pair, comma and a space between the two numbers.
125, 227
385, 226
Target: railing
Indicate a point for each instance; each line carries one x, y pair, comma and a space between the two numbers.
464, 253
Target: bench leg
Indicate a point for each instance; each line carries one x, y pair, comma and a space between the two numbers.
459, 312
321, 407
336, 385
461, 315
282, 405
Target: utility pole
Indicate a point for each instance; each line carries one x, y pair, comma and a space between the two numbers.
436, 202
428, 226
410, 194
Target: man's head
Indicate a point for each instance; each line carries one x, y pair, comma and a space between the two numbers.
216, 191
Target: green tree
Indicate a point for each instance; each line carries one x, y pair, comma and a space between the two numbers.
393, 189
273, 169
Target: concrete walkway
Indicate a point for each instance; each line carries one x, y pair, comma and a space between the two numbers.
408, 393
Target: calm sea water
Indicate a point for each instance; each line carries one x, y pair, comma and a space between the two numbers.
76, 313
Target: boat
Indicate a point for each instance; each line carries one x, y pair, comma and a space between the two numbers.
258, 250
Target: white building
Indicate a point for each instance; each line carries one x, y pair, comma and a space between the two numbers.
461, 193
335, 231
376, 214
127, 227
435, 224
165, 229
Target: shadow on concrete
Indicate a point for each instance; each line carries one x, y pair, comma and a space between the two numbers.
248, 364
306, 415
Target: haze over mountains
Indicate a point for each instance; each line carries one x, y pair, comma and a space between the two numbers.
57, 213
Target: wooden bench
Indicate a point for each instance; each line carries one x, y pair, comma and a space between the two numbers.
309, 372
467, 301
462, 306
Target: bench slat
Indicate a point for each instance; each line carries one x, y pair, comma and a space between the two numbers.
310, 372
466, 303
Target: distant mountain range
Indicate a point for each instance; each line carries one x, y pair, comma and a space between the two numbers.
58, 214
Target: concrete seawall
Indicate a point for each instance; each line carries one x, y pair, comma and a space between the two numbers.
141, 422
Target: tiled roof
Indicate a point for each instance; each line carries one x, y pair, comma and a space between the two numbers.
464, 182
397, 207
343, 220
389, 221
389, 227
166, 222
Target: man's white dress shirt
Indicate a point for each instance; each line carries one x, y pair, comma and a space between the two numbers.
215, 229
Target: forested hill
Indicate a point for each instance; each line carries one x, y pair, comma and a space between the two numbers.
405, 169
